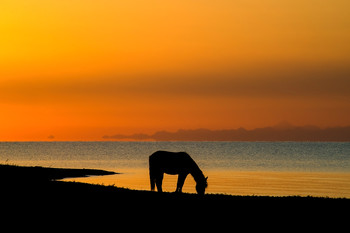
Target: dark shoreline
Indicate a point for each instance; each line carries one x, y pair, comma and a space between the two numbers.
40, 180
13, 173
81, 205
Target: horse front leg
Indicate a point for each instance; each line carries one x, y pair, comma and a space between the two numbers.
180, 182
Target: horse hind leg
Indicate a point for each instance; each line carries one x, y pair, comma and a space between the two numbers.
155, 177
153, 183
152, 179
159, 182
152, 173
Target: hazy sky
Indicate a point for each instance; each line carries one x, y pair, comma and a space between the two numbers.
81, 69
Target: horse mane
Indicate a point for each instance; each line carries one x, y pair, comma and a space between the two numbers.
197, 173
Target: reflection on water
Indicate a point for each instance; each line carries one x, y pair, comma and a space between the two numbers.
239, 168
241, 182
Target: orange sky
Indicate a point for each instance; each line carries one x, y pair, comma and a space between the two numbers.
81, 69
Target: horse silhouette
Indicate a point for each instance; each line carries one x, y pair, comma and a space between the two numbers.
174, 163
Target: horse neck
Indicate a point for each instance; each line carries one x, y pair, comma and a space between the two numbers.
197, 174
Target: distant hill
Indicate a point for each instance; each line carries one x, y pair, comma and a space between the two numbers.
280, 132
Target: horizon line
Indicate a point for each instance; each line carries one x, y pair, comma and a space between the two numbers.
194, 135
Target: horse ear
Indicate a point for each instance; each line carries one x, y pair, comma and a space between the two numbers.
206, 178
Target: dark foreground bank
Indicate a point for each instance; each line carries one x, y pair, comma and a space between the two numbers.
33, 198
39, 187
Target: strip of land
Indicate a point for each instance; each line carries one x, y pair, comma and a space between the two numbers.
42, 182
13, 173
37, 196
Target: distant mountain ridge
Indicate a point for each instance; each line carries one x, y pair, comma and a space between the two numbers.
280, 132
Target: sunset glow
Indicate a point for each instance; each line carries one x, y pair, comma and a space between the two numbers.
81, 69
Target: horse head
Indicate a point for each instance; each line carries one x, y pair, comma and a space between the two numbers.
202, 185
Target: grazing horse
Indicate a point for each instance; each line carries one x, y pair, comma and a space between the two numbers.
174, 163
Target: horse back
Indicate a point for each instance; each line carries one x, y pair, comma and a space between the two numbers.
171, 162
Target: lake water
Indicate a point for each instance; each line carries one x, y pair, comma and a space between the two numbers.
238, 168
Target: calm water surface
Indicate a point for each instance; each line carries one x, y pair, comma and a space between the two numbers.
240, 168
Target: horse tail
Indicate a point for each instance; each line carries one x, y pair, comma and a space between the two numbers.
152, 177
